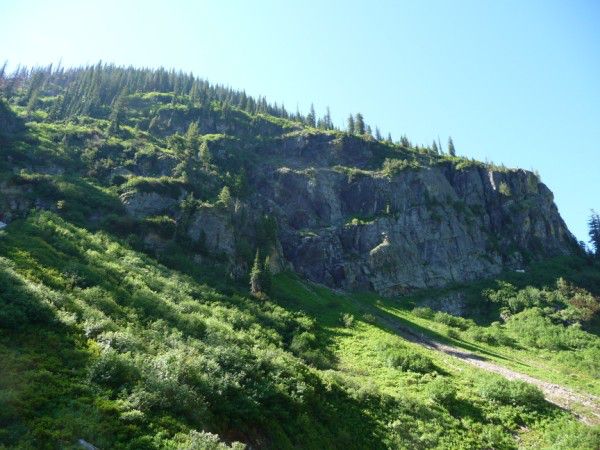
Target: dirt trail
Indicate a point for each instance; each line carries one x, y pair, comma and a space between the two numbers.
559, 395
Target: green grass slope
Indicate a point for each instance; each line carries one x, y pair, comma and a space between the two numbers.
102, 343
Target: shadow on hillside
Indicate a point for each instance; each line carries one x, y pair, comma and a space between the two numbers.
11, 126
44, 371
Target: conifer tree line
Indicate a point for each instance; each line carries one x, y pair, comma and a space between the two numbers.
100, 90
91, 89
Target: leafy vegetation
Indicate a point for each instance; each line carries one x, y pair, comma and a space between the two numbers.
127, 343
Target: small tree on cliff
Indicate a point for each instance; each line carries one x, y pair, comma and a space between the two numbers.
260, 276
224, 198
351, 125
359, 127
451, 149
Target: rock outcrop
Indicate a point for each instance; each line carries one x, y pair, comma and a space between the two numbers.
363, 229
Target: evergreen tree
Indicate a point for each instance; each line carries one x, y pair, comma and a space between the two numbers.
116, 114
404, 142
256, 275
327, 120
594, 232
224, 198
32, 102
351, 124
191, 138
359, 127
451, 149
389, 138
378, 134
434, 147
369, 132
260, 276
205, 155
311, 119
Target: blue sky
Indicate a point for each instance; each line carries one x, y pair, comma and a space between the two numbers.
514, 82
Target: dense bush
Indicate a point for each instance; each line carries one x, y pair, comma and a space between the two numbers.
392, 167
442, 391
452, 321
516, 393
113, 369
408, 360
535, 329
21, 302
423, 312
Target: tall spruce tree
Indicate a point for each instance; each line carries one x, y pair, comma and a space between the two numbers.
359, 127
260, 276
351, 127
205, 155
117, 113
311, 119
327, 120
451, 149
594, 232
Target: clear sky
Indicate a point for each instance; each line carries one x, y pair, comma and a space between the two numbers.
511, 81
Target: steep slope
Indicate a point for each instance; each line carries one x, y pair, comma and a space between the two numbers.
341, 209
102, 343
137, 202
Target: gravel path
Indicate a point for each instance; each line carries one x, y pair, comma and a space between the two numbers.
559, 395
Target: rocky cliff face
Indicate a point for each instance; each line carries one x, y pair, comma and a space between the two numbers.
344, 222
362, 229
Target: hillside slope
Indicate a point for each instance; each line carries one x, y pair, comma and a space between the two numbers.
137, 202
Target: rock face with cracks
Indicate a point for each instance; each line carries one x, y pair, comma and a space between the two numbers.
426, 227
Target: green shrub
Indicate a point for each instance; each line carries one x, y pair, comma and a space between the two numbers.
516, 393
423, 312
164, 226
452, 321
347, 320
408, 360
482, 335
195, 440
442, 392
504, 189
452, 333
569, 434
533, 328
112, 369
392, 167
